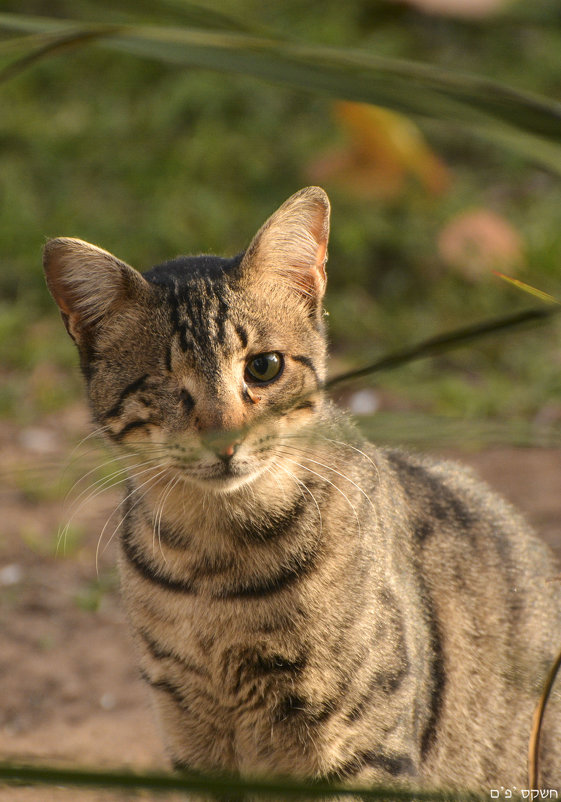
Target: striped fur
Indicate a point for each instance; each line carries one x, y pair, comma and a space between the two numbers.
302, 603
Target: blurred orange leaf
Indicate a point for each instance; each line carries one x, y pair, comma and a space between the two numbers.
384, 150
478, 241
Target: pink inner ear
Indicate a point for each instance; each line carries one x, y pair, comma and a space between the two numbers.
292, 245
321, 260
53, 270
59, 290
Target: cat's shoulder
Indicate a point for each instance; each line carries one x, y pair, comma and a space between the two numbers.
450, 503
430, 471
446, 490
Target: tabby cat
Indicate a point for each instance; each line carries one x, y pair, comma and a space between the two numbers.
303, 603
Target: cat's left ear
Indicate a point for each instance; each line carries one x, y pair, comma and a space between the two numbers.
292, 245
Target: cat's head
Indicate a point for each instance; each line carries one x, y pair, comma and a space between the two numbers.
202, 362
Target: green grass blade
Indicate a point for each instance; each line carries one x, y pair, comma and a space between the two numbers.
162, 783
41, 46
413, 88
172, 12
521, 285
446, 342
430, 347
425, 431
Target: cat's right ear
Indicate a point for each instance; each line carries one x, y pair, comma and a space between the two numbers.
88, 283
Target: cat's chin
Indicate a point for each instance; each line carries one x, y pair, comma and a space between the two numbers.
225, 483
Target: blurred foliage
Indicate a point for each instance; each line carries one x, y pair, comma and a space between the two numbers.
151, 160
92, 593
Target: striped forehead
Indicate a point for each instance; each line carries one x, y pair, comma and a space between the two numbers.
201, 321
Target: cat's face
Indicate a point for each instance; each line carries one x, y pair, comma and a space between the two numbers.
203, 365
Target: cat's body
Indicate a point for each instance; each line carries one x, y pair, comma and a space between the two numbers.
302, 602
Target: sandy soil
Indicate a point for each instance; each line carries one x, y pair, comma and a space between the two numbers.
69, 690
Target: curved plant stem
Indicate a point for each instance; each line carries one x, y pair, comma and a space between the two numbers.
49, 45
447, 341
534, 745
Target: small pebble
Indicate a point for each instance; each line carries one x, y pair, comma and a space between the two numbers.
42, 441
10, 575
108, 701
364, 402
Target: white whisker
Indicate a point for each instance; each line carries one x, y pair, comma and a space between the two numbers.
95, 489
105, 483
325, 479
87, 495
96, 432
161, 471
160, 510
305, 486
270, 471
89, 473
354, 448
330, 468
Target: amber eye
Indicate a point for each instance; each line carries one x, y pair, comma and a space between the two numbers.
264, 367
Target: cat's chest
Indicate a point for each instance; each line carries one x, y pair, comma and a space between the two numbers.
230, 670
219, 625
256, 654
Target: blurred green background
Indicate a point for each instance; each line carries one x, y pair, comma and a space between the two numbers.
150, 160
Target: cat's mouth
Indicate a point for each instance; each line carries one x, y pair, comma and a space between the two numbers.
218, 464
222, 475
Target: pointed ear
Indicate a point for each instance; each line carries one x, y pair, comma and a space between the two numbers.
88, 283
292, 245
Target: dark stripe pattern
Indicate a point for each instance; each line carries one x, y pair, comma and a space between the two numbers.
167, 687
438, 500
286, 578
139, 423
277, 526
307, 362
394, 765
437, 673
434, 504
187, 401
297, 569
242, 334
130, 389
241, 666
158, 652
137, 559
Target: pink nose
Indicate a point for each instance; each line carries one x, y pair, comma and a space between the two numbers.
222, 444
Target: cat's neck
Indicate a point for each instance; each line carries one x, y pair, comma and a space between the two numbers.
187, 508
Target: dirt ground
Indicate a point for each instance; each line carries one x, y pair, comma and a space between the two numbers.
70, 694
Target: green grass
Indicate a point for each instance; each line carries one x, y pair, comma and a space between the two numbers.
91, 594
